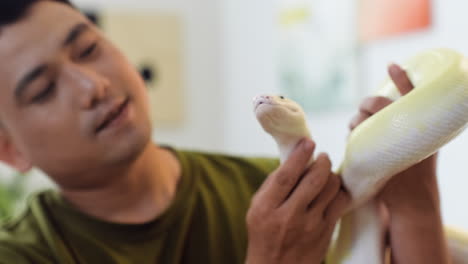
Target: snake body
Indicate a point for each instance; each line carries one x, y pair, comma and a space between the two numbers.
409, 130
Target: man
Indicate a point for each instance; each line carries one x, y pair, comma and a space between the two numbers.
72, 105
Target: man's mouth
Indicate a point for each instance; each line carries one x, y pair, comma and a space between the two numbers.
112, 115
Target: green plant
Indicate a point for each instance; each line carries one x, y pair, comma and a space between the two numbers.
12, 194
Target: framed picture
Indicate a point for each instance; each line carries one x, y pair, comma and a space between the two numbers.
152, 41
380, 19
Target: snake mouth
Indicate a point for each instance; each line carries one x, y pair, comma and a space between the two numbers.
273, 102
261, 103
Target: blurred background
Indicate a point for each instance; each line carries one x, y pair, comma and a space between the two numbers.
205, 60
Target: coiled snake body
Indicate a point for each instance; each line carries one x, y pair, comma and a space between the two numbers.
409, 130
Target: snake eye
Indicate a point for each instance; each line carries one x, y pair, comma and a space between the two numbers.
281, 97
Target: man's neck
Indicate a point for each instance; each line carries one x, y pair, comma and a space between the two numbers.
141, 194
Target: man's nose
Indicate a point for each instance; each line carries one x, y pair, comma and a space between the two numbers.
92, 87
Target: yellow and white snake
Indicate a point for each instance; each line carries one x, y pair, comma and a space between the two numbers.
409, 130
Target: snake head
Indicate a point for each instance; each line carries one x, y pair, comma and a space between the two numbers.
279, 115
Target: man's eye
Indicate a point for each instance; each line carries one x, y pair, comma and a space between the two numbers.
88, 51
44, 94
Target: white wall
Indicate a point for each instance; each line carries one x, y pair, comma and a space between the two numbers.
249, 69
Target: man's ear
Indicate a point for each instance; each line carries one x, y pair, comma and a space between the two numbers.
11, 155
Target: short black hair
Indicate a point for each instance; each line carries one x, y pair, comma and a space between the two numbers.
12, 11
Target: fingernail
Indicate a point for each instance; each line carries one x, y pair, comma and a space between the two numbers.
322, 155
391, 66
394, 68
307, 145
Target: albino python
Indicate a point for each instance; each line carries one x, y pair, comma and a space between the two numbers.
407, 131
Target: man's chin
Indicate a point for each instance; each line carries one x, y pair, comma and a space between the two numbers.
129, 150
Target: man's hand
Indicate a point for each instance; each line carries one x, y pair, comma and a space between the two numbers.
410, 198
293, 214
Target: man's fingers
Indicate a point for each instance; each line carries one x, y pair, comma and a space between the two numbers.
400, 78
358, 119
327, 195
310, 185
285, 178
338, 206
372, 105
368, 107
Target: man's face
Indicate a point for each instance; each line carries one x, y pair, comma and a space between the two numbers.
69, 100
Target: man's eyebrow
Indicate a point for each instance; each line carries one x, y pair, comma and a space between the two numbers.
28, 78
74, 33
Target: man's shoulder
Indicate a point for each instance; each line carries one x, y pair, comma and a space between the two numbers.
227, 173
223, 162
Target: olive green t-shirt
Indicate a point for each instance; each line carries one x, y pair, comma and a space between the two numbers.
204, 224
